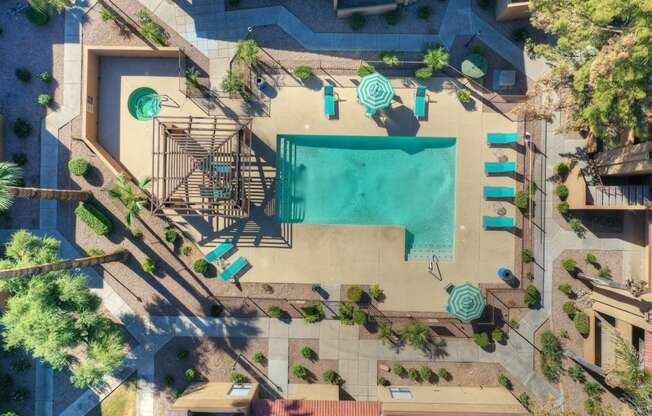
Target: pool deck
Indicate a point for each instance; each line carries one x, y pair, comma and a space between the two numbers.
344, 254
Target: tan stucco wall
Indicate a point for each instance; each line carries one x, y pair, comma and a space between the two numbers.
627, 311
214, 397
507, 10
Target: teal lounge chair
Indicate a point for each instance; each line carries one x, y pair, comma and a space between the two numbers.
498, 222
233, 269
420, 102
498, 192
499, 167
329, 101
218, 252
502, 138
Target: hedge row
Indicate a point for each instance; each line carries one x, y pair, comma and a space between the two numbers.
92, 217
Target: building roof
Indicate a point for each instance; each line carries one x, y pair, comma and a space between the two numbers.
314, 408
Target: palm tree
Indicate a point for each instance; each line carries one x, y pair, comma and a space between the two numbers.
127, 194
435, 57
11, 175
415, 334
120, 255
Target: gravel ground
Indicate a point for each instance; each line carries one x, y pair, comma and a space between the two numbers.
321, 17
316, 367
212, 357
18, 49
606, 259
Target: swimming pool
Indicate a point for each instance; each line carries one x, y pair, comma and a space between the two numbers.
367, 180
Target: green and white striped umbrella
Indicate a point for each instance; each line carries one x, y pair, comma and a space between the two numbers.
375, 91
466, 302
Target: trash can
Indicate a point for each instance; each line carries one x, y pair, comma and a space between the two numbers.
505, 275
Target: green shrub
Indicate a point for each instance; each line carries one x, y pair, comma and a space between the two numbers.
423, 73
562, 169
182, 354
151, 30
592, 389
23, 75
443, 374
504, 381
576, 373
135, 232
238, 378
531, 297
93, 218
399, 370
46, 77
551, 353
605, 273
375, 292
425, 373
392, 17
44, 99
148, 265
563, 207
563, 333
566, 289
382, 381
313, 313
36, 15
95, 252
591, 259
524, 398
332, 377
413, 374
303, 72
498, 335
354, 294
359, 317
308, 353
527, 256
299, 371
465, 97
356, 21
592, 407
520, 34
365, 69
216, 310
576, 225
258, 357
390, 58
20, 158
190, 374
22, 128
200, 266
569, 265
275, 312
168, 381
346, 314
481, 339
569, 308
582, 323
78, 167
424, 12
171, 235
561, 191
108, 15
435, 56
186, 250
232, 82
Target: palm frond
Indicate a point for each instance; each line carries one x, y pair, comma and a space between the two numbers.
10, 174
146, 183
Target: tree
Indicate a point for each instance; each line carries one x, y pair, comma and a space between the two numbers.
435, 57
630, 376
127, 194
11, 175
415, 334
601, 62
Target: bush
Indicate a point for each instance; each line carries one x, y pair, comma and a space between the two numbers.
576, 373
582, 323
399, 370
38, 16
135, 232
303, 72
23, 75
425, 373
19, 158
435, 56
524, 398
520, 34
22, 128
527, 256
182, 354
354, 294
563, 207
186, 250
237, 378
275, 312
108, 15
78, 167
299, 371
346, 314
151, 30
44, 99
392, 17
365, 69
423, 73
148, 265
551, 353
498, 335
258, 357
200, 266
465, 97
481, 339
46, 77
424, 12
313, 313
561, 191
356, 21
171, 235
566, 289
569, 308
605, 273
190, 374
168, 381
359, 317
562, 169
443, 374
390, 58
531, 297
504, 381
308, 353
569, 265
563, 333
95, 252
232, 82
216, 310
591, 259
592, 407
413, 374
592, 389
332, 377
375, 292
93, 218
576, 225
382, 381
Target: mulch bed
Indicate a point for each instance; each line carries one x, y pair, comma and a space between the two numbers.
316, 367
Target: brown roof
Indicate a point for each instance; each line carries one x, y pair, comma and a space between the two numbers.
314, 408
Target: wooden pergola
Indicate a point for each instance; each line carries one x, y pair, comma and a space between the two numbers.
201, 166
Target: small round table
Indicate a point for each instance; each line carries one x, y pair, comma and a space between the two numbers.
474, 66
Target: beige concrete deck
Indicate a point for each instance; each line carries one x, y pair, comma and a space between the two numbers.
305, 253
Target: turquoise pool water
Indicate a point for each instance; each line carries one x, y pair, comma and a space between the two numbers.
381, 180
